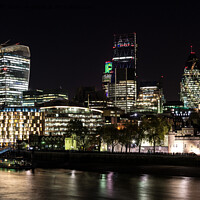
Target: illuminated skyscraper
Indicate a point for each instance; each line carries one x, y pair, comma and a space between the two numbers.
107, 76
150, 98
14, 73
123, 89
190, 83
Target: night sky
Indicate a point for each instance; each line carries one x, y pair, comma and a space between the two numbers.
70, 42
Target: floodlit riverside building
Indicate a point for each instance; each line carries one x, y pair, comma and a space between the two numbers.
19, 123
184, 141
14, 74
58, 117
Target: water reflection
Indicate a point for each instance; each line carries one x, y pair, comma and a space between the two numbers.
72, 184
182, 191
106, 184
143, 188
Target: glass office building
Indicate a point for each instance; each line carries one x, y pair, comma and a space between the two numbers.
150, 98
58, 117
19, 123
190, 83
123, 88
32, 97
14, 74
107, 76
123, 94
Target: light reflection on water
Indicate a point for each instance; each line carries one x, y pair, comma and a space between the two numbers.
70, 184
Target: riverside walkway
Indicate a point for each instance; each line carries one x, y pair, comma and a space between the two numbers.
4, 150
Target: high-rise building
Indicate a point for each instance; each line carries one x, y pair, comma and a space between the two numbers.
123, 89
123, 94
107, 76
33, 97
150, 98
14, 73
91, 98
190, 83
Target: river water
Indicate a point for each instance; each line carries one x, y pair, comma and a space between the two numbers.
56, 184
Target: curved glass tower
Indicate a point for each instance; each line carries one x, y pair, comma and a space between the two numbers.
14, 74
190, 83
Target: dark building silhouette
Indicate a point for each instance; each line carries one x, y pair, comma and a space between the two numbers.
90, 97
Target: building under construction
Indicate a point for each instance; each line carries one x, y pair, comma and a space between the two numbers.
122, 89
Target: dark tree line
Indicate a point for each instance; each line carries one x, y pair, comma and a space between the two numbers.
152, 129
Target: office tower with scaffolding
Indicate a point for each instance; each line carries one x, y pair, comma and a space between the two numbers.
123, 88
14, 73
190, 83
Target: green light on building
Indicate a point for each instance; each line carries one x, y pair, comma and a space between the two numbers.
108, 67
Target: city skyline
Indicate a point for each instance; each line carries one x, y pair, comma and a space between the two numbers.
72, 41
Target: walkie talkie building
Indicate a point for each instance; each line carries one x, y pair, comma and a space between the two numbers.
14, 74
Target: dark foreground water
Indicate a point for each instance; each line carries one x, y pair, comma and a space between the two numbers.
59, 184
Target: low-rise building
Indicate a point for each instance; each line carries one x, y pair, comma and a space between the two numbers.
58, 117
17, 124
184, 141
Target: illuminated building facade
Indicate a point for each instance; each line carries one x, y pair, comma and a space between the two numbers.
32, 97
112, 115
43, 142
19, 123
150, 98
169, 106
190, 83
184, 141
179, 114
58, 117
107, 76
123, 94
123, 88
14, 74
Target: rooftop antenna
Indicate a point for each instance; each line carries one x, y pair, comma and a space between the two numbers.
88, 100
5, 43
191, 51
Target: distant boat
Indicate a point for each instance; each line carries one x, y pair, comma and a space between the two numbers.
17, 163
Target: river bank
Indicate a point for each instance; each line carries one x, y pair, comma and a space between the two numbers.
158, 164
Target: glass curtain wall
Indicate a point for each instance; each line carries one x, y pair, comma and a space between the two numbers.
14, 74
